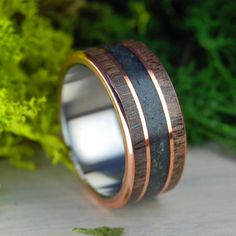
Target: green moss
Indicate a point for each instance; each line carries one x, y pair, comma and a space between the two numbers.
31, 55
100, 231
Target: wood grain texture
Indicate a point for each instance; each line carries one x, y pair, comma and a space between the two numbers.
153, 64
116, 78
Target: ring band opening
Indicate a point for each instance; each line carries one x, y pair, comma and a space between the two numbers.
92, 131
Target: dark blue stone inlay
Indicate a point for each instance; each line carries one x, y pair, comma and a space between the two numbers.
153, 112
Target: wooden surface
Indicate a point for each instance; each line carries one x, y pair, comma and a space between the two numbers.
51, 201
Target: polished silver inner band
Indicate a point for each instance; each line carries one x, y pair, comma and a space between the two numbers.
92, 131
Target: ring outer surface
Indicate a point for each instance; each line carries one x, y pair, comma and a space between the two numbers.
137, 171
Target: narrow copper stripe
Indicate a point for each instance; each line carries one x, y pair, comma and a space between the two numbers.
109, 66
171, 108
169, 125
146, 136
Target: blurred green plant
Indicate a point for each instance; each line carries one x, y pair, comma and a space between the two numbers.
100, 231
208, 80
31, 55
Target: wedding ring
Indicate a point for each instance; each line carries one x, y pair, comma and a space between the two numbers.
123, 123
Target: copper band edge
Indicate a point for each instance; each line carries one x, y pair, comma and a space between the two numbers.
122, 197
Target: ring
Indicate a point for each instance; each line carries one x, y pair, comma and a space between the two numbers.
122, 121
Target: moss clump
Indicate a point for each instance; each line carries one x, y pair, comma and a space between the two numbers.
100, 231
31, 55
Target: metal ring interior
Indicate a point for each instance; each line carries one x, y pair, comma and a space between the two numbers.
91, 130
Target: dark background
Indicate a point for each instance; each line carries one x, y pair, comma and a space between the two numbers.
195, 40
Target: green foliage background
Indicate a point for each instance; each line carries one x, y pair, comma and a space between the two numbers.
195, 40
